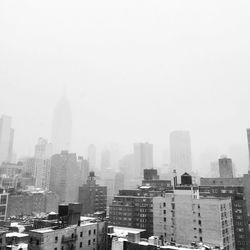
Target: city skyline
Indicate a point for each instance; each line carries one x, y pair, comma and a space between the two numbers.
127, 81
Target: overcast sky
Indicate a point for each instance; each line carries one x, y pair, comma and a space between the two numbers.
133, 71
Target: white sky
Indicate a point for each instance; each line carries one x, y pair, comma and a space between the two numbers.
134, 71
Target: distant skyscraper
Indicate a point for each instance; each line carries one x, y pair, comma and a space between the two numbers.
143, 157
225, 167
105, 160
6, 139
92, 157
43, 152
65, 176
248, 140
62, 126
180, 152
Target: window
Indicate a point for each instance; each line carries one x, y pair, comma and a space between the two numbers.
55, 248
89, 242
89, 232
56, 239
94, 231
72, 236
164, 204
37, 242
3, 199
200, 239
164, 211
62, 248
200, 222
200, 231
93, 240
80, 244
165, 219
80, 234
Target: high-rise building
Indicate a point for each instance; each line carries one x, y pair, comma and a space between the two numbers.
184, 217
92, 196
83, 166
92, 157
239, 210
180, 152
6, 139
133, 208
43, 152
225, 167
62, 126
65, 176
143, 158
248, 142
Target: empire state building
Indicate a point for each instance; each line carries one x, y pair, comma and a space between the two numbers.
61, 126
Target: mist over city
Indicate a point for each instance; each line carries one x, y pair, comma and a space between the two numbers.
145, 102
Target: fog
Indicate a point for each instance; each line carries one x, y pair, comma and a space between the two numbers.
132, 70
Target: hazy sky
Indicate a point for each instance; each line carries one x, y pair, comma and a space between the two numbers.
133, 70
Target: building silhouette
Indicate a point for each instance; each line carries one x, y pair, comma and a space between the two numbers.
225, 167
180, 152
248, 142
143, 158
6, 139
43, 152
65, 176
61, 126
92, 157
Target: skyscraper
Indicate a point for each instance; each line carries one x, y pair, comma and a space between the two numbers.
6, 139
248, 140
62, 126
143, 157
180, 152
65, 176
92, 157
43, 152
225, 167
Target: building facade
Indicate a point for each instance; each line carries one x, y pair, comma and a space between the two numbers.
184, 217
92, 196
87, 235
30, 203
239, 209
225, 167
65, 176
133, 208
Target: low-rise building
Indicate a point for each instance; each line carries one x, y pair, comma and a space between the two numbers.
88, 234
31, 202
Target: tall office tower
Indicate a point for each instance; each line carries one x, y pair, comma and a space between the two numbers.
225, 167
143, 157
65, 176
180, 152
214, 169
92, 157
92, 196
43, 152
184, 216
83, 166
6, 139
62, 126
119, 182
105, 160
248, 140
